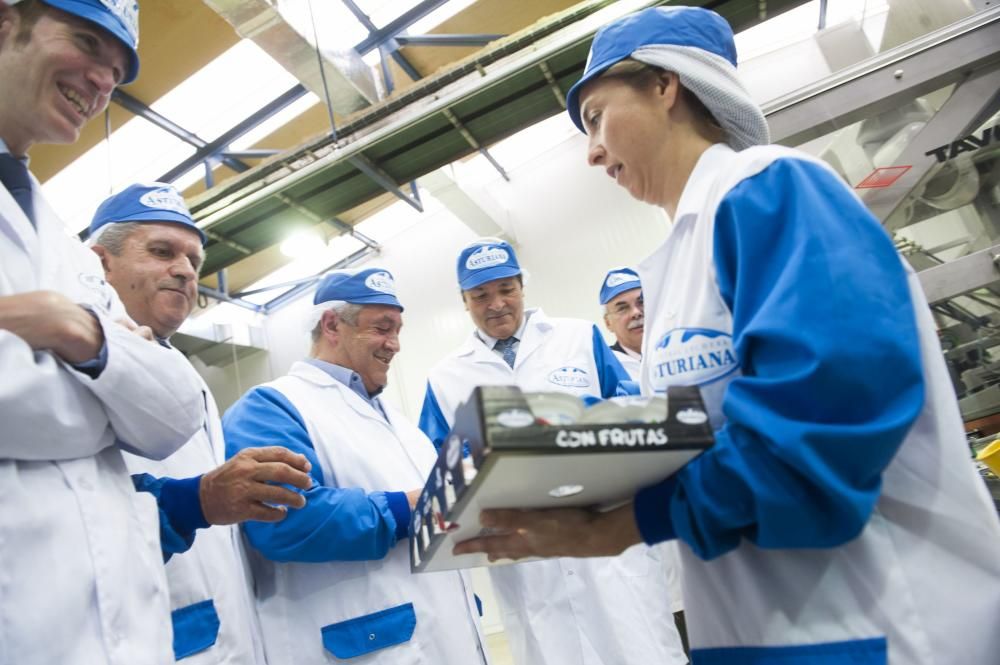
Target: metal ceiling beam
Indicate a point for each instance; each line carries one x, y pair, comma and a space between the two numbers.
495, 93
138, 108
446, 40
222, 297
889, 79
293, 293
471, 140
396, 26
339, 224
389, 45
383, 179
249, 153
213, 148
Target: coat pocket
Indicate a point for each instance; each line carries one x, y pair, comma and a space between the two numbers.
365, 634
856, 652
196, 628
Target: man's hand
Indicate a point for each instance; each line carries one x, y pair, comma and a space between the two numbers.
49, 321
144, 332
573, 532
245, 487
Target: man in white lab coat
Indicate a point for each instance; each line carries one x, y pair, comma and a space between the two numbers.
81, 575
151, 251
624, 316
621, 296
564, 611
333, 579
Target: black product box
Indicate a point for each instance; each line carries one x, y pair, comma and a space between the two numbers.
499, 455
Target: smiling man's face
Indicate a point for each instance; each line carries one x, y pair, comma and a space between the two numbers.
63, 72
496, 307
156, 274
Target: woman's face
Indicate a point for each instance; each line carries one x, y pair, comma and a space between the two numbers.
628, 129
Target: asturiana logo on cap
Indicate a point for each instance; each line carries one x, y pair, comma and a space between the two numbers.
165, 198
487, 257
128, 12
381, 281
617, 278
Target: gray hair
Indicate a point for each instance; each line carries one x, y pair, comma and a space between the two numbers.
114, 236
346, 312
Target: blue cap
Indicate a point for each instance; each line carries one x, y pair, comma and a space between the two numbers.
155, 202
485, 260
119, 17
677, 26
372, 286
618, 281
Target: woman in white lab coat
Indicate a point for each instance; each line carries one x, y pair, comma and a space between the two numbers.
837, 519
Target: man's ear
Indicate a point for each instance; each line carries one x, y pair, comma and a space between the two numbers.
330, 322
607, 321
101, 251
8, 23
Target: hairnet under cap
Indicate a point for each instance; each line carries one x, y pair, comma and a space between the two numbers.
697, 44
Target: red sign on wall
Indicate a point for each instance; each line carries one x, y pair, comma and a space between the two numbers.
882, 177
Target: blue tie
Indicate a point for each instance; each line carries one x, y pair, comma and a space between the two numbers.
506, 349
14, 176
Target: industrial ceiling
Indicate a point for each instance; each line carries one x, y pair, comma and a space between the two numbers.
464, 98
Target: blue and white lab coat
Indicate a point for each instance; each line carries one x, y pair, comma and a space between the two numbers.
81, 574
333, 579
629, 362
212, 607
838, 518
601, 611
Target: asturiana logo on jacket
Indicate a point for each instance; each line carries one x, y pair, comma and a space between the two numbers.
486, 257
570, 377
692, 357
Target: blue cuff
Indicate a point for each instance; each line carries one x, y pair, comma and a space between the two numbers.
652, 511
399, 506
94, 366
181, 501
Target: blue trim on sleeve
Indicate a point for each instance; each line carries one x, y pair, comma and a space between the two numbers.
336, 524
609, 369
96, 365
399, 505
180, 499
172, 539
196, 628
432, 420
825, 332
652, 511
372, 632
872, 651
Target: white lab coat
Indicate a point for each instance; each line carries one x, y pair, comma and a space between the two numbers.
600, 611
81, 574
630, 364
213, 569
926, 566
298, 602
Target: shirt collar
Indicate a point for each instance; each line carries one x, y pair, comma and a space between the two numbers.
5, 149
346, 376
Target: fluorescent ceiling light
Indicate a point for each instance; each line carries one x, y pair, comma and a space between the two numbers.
303, 244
